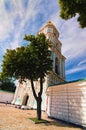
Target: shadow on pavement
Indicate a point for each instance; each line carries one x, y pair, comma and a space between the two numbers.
64, 124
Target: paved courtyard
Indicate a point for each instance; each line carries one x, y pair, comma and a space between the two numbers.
12, 118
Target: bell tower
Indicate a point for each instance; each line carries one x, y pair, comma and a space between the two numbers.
57, 75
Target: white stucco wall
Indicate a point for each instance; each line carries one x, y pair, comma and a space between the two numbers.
68, 102
6, 96
25, 89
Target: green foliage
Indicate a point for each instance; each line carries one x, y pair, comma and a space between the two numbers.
41, 55
12, 63
30, 61
6, 84
69, 8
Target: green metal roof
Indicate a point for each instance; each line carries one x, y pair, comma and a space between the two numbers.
79, 80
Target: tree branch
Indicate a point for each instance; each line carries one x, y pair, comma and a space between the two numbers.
41, 85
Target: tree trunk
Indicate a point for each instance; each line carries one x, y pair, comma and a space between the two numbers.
33, 90
39, 101
38, 98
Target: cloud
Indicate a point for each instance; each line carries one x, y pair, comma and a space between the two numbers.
5, 21
83, 62
12, 23
80, 66
73, 39
76, 69
21, 17
13, 19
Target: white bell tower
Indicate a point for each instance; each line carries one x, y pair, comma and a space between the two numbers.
58, 73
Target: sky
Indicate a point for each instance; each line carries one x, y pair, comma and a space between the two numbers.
20, 17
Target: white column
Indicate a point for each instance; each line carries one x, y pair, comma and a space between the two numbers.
63, 69
54, 62
60, 67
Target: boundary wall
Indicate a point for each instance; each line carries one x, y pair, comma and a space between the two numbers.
6, 97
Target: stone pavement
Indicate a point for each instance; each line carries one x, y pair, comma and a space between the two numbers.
12, 118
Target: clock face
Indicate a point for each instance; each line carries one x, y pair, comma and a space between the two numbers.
49, 29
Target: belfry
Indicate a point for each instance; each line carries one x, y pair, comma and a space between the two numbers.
58, 73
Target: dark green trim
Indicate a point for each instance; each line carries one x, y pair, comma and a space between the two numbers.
79, 80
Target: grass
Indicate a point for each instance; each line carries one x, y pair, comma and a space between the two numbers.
36, 121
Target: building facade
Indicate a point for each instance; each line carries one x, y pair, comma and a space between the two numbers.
23, 94
67, 102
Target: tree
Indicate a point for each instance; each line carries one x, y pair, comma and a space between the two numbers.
6, 83
32, 62
69, 8
42, 62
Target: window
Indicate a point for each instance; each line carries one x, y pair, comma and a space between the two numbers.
57, 66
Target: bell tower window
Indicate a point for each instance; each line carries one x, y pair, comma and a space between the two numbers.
57, 66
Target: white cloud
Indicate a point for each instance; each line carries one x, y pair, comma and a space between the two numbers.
5, 21
81, 66
82, 62
75, 69
9, 26
73, 39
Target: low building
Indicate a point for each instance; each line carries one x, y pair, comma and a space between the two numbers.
68, 102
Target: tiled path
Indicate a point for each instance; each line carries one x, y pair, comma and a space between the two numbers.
12, 118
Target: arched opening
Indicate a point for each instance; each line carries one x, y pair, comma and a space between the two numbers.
25, 100
57, 66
